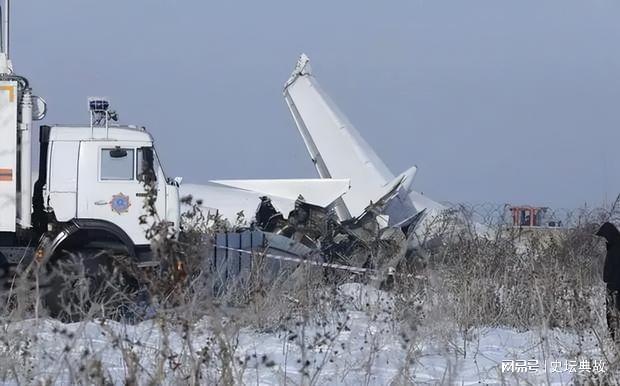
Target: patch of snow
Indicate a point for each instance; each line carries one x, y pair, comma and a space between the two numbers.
354, 347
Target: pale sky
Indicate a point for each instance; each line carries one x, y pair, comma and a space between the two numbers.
495, 101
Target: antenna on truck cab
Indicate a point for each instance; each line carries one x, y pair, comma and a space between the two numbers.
5, 61
100, 114
6, 16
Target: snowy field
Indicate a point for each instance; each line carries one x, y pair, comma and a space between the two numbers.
516, 309
358, 344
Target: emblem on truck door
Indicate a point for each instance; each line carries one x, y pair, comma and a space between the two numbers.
120, 203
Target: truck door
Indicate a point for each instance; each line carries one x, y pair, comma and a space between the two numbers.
109, 187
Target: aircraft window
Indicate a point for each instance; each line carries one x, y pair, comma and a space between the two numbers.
117, 164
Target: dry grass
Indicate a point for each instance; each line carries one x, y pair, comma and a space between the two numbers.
526, 282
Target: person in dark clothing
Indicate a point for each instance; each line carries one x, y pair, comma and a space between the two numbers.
611, 275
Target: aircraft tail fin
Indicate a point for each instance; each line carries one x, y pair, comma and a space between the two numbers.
338, 151
335, 146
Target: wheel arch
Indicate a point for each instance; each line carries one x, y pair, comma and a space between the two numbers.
81, 232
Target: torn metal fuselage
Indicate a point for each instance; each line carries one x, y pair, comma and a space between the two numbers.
362, 242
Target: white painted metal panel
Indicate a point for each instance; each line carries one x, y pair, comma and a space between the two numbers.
229, 197
338, 151
8, 155
64, 204
336, 147
228, 201
118, 201
64, 166
314, 191
63, 179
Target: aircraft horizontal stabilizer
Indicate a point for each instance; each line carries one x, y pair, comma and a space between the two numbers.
229, 197
321, 192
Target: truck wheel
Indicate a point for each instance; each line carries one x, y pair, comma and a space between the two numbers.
5, 269
6, 279
84, 283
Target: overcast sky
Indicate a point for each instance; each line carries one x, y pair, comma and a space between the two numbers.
495, 101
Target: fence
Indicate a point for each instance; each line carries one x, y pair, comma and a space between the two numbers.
493, 214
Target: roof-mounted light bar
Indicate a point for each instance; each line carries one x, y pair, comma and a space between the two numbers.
98, 104
100, 113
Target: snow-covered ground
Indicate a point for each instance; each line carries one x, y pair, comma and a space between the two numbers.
359, 344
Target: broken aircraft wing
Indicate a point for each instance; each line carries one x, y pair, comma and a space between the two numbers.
229, 197
320, 192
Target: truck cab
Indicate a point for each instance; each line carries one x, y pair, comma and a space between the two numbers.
100, 173
103, 178
99, 185
99, 190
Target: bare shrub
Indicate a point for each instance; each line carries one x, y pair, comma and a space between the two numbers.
447, 292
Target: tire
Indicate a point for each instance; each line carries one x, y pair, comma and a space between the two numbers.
5, 271
84, 284
6, 281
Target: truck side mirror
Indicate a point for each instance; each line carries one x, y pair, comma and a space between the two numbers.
117, 152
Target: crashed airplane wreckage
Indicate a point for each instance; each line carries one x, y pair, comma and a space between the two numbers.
356, 200
337, 150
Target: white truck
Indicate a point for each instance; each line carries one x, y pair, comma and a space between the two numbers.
90, 188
